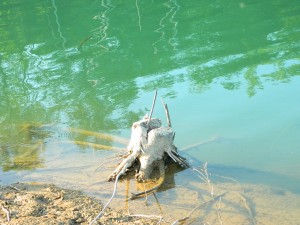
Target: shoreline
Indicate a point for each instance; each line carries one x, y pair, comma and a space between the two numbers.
44, 203
41, 203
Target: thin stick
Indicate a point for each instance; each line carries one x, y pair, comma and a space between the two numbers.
153, 103
167, 113
113, 195
202, 176
191, 212
7, 213
127, 195
158, 204
85, 40
205, 177
211, 140
194, 209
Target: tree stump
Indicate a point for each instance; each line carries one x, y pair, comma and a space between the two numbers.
150, 144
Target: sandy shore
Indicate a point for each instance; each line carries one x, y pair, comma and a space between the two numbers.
34, 203
247, 204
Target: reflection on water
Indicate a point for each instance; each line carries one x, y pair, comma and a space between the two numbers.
58, 24
225, 69
168, 20
100, 33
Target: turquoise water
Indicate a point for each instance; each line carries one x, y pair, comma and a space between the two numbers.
229, 73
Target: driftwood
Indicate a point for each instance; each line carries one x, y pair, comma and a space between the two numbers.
151, 145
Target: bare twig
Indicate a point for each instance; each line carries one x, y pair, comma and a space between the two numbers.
197, 207
202, 176
113, 195
6, 212
167, 113
212, 139
191, 212
84, 40
205, 177
152, 108
227, 178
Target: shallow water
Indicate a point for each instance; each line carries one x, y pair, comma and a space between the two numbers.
229, 73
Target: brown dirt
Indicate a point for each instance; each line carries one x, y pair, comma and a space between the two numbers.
36, 203
247, 204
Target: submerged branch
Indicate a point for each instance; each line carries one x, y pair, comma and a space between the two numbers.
84, 40
92, 145
197, 207
104, 136
205, 177
54, 128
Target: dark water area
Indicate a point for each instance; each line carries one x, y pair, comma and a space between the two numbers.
229, 73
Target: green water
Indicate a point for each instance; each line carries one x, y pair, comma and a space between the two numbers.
226, 70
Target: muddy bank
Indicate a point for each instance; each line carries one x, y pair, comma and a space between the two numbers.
35, 203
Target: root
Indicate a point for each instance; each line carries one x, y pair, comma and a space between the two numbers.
123, 166
179, 159
160, 181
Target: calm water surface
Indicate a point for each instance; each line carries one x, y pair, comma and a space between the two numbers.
229, 73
